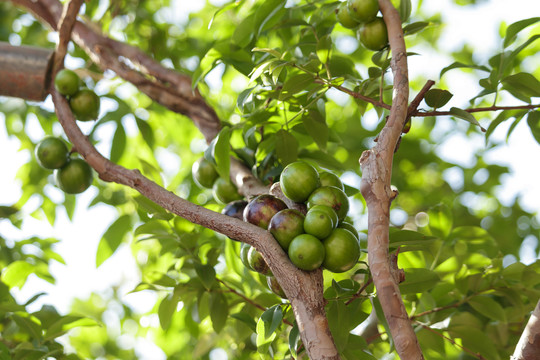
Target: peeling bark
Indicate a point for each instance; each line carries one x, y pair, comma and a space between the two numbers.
528, 347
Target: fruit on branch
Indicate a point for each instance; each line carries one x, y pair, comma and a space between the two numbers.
257, 263
235, 209
348, 226
204, 173
329, 211
67, 82
330, 179
51, 153
262, 208
344, 16
244, 251
224, 191
306, 252
363, 11
286, 225
275, 287
318, 223
74, 177
298, 180
374, 34
85, 105
342, 251
332, 197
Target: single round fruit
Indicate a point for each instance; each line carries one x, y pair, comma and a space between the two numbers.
332, 197
306, 252
363, 11
298, 180
318, 223
74, 177
374, 35
286, 225
262, 208
244, 251
331, 179
224, 191
344, 16
235, 209
51, 153
85, 105
67, 82
275, 287
204, 173
342, 251
348, 226
257, 263
328, 210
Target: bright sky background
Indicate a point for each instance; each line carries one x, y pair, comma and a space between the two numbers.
79, 238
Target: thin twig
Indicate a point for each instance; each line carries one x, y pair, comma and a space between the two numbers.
65, 26
475, 110
360, 291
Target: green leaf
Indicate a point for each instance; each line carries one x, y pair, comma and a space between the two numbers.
246, 319
400, 237
146, 132
462, 114
118, 143
488, 307
405, 8
112, 238
316, 127
219, 311
476, 340
66, 323
28, 323
270, 51
222, 153
523, 83
338, 320
264, 337
418, 280
272, 318
242, 98
437, 98
266, 14
208, 62
15, 274
7, 211
440, 220
533, 120
414, 27
322, 158
166, 310
152, 208
207, 275
458, 64
324, 48
243, 33
295, 84
294, 338
286, 147
513, 29
4, 352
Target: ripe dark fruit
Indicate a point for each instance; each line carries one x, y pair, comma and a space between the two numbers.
257, 263
51, 153
67, 82
224, 191
344, 17
275, 287
262, 208
286, 225
348, 226
363, 11
330, 179
374, 35
235, 209
306, 252
342, 251
298, 180
318, 223
85, 105
204, 173
332, 197
75, 177
244, 251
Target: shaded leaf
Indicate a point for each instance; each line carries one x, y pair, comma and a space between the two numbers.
415, 27
533, 120
112, 238
523, 83
440, 221
437, 98
286, 147
513, 29
418, 280
295, 84
458, 64
221, 152
219, 311
324, 48
166, 310
488, 307
207, 274
316, 127
118, 143
462, 114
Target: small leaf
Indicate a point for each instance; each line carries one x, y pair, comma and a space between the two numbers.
15, 274
166, 310
286, 147
270, 51
524, 83
338, 320
462, 114
243, 33
440, 221
295, 84
458, 64
263, 339
246, 319
242, 97
207, 274
112, 238
533, 120
324, 48
488, 307
437, 98
66, 323
294, 338
265, 13
316, 127
146, 132
219, 311
515, 28
400, 237
418, 280
414, 27
118, 143
272, 319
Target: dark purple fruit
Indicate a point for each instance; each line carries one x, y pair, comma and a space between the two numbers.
235, 209
286, 225
262, 208
257, 263
275, 287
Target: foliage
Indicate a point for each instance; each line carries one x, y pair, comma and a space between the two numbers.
280, 75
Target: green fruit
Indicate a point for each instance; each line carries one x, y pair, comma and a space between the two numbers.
344, 16
332, 197
85, 105
374, 35
363, 11
342, 251
318, 224
262, 208
67, 82
306, 252
204, 173
75, 177
51, 153
257, 262
275, 287
298, 180
224, 191
331, 179
286, 225
348, 226
328, 210
244, 251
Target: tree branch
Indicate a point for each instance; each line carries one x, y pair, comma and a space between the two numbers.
65, 26
475, 110
528, 346
376, 167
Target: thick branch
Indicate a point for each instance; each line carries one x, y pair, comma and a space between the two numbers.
376, 175
528, 347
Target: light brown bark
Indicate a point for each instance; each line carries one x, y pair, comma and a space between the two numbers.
528, 347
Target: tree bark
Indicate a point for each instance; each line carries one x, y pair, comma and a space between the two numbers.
376, 167
528, 347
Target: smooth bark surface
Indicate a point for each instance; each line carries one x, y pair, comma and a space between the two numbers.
528, 347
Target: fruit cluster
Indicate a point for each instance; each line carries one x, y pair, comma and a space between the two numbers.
84, 103
72, 175
362, 14
206, 176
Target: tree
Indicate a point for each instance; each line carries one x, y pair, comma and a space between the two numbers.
437, 280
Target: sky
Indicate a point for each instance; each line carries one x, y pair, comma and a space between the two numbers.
79, 238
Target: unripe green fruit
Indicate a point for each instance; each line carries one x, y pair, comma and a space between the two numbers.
298, 180
344, 16
348, 226
363, 11
51, 153
332, 197
244, 251
75, 177
306, 252
67, 82
374, 35
318, 223
328, 210
204, 173
331, 179
85, 105
224, 191
342, 251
